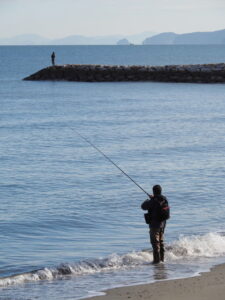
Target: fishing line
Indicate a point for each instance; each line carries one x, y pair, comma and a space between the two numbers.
109, 159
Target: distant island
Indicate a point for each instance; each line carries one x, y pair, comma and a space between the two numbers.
194, 38
34, 39
145, 38
123, 42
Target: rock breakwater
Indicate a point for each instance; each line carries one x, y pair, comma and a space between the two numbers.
204, 73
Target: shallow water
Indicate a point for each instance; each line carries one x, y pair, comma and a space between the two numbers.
69, 213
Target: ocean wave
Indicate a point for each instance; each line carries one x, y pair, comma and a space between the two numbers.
189, 247
207, 245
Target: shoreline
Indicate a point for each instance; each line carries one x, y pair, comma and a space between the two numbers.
205, 286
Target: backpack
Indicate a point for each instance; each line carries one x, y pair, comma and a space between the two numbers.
163, 210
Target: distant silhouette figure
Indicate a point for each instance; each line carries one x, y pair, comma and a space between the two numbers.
53, 58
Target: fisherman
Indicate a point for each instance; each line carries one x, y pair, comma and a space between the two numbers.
157, 206
53, 58
156, 223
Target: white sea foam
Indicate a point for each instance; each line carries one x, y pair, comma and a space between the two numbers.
208, 245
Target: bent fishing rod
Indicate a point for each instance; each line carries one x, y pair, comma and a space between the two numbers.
109, 159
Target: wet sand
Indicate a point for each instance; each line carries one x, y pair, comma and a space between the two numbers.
207, 286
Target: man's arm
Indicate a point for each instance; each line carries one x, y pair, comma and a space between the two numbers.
147, 204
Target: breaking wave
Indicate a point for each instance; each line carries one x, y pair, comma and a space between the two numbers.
208, 245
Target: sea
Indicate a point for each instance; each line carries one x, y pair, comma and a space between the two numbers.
71, 224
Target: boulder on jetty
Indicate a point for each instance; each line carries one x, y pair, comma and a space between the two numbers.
205, 73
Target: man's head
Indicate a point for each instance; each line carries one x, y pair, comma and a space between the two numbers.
157, 190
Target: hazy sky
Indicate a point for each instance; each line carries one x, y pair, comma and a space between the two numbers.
59, 18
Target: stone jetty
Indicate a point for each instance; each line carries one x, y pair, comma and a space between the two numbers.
201, 73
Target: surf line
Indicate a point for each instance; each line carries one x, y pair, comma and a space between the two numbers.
109, 159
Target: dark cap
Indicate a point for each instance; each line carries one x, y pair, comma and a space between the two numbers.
157, 190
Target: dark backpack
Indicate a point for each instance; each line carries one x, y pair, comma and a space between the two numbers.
163, 210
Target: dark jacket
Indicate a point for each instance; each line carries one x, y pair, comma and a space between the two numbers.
152, 206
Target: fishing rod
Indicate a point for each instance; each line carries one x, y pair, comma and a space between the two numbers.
110, 160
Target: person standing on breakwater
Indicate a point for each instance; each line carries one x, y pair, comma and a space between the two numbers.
53, 58
158, 213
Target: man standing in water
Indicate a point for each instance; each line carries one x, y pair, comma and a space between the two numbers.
53, 58
156, 219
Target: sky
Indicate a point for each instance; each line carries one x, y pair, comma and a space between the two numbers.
60, 18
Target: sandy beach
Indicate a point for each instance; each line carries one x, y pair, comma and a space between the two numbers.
207, 286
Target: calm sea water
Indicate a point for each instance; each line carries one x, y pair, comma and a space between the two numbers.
70, 222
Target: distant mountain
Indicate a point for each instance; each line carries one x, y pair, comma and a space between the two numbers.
146, 38
214, 37
161, 39
194, 38
25, 39
123, 42
85, 40
33, 39
139, 38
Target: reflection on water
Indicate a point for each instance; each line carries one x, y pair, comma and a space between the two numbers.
160, 271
